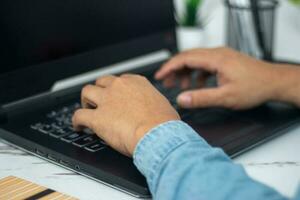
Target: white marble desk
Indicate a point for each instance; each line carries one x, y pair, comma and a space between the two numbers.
276, 163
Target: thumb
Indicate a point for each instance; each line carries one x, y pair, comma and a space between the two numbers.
201, 98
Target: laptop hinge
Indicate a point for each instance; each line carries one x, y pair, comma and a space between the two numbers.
116, 68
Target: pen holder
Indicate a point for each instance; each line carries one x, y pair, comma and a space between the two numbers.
251, 29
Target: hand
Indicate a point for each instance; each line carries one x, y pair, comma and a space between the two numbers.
243, 82
121, 110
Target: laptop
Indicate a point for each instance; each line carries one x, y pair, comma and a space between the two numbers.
51, 48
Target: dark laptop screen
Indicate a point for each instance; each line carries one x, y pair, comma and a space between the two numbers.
36, 31
42, 41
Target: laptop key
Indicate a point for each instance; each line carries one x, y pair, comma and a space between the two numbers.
52, 114
73, 137
36, 126
85, 140
43, 128
46, 128
60, 132
56, 125
95, 146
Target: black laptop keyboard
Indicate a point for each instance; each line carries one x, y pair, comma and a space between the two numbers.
170, 94
58, 124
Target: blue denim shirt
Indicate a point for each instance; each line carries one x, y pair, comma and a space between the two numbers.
179, 164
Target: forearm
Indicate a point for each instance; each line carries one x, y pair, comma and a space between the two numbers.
178, 164
286, 82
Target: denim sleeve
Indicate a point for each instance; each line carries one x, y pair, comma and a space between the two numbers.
179, 164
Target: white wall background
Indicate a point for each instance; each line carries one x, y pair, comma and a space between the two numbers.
287, 35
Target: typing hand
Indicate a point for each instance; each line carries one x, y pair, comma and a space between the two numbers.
243, 82
121, 110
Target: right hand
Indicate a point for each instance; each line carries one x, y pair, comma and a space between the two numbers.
121, 110
243, 82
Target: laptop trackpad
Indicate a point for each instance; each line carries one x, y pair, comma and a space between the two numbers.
220, 127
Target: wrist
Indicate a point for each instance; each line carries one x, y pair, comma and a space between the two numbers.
143, 129
286, 84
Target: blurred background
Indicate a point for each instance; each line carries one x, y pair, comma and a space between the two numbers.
212, 27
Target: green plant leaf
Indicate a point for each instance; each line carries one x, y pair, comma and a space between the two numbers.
190, 17
297, 2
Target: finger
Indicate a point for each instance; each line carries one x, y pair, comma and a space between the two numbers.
185, 81
85, 118
82, 118
196, 59
105, 81
185, 77
170, 81
202, 98
202, 79
91, 96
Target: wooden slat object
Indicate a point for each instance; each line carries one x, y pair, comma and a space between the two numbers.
14, 188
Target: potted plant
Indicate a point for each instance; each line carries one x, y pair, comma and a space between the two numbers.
190, 25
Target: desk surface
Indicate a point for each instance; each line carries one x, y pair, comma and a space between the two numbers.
275, 163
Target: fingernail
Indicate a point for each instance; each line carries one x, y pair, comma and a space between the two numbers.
185, 99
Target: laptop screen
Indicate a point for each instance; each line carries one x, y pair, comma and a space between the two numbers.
35, 32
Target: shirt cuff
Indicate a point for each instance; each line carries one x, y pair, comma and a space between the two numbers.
159, 142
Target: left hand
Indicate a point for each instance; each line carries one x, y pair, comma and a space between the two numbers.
242, 82
121, 110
